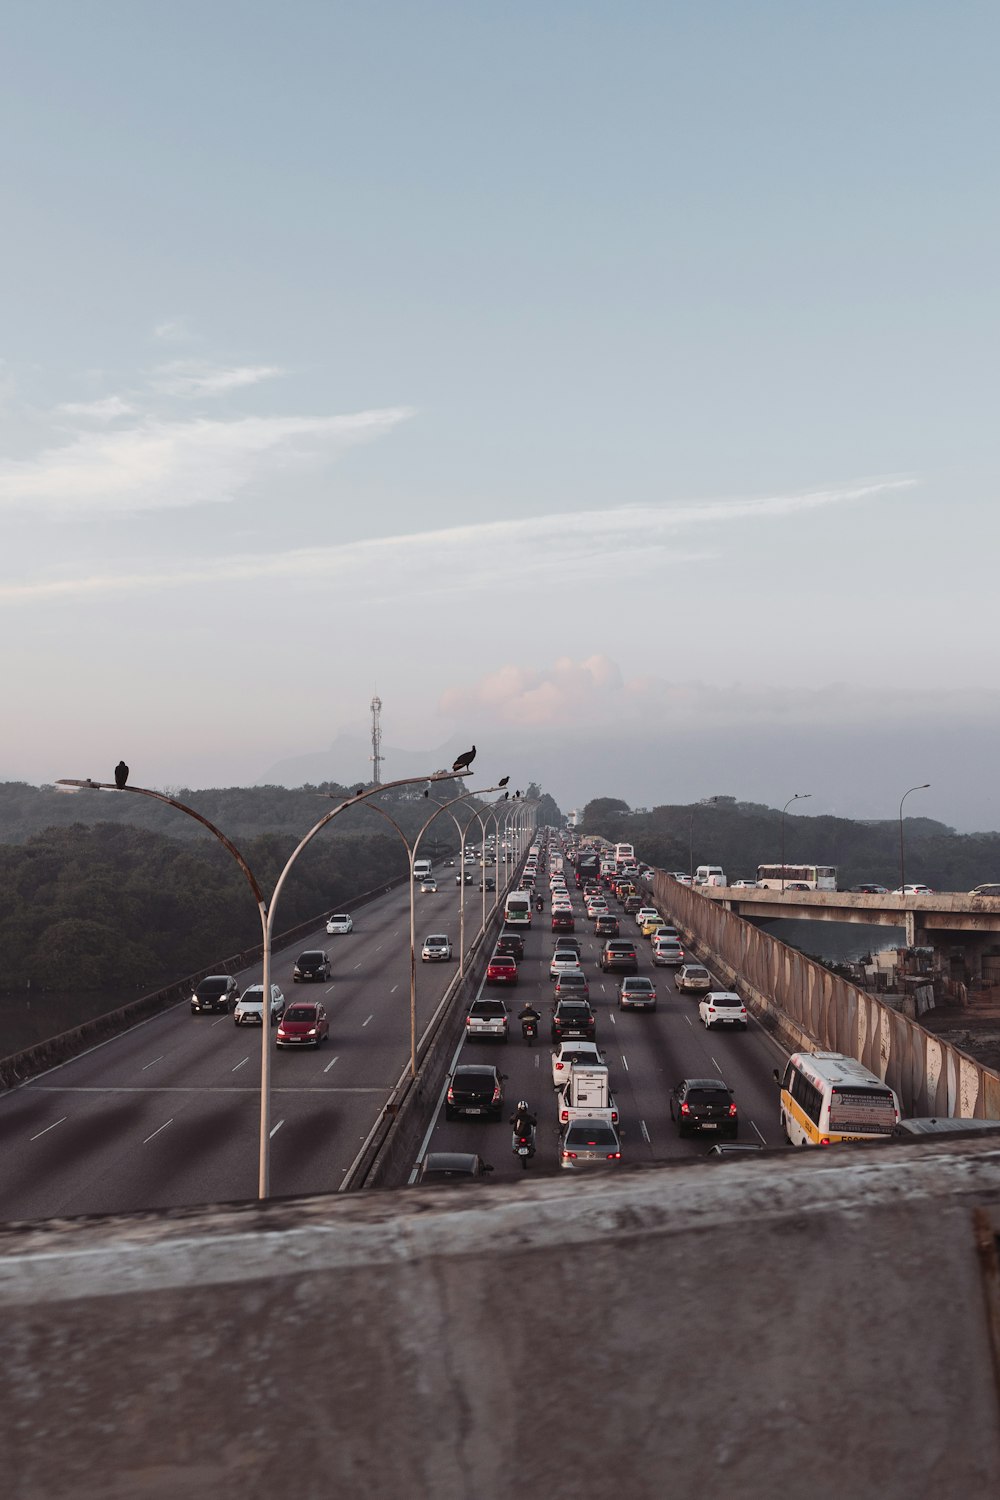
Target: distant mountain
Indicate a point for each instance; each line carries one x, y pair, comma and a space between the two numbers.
347, 760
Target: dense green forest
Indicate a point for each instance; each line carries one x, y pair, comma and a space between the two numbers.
103, 889
742, 835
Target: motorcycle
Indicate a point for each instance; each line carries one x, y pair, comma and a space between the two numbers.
523, 1146
539, 903
529, 1028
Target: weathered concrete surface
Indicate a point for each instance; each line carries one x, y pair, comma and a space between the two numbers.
948, 911
800, 1324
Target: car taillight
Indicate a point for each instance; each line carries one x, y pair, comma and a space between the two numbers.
614, 1117
564, 1114
825, 1141
468, 1020
496, 1094
559, 1067
614, 1156
451, 1096
569, 1156
685, 1108
732, 1109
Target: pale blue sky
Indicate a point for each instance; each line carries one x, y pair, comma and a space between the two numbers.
698, 300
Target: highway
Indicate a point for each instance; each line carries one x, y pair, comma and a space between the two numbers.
167, 1114
646, 1052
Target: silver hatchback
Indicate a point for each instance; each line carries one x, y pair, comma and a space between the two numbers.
589, 1143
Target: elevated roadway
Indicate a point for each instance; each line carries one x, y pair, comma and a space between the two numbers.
948, 916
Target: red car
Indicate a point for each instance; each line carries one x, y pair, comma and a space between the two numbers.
304, 1024
501, 969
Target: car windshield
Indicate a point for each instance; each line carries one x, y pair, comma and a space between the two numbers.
487, 1008
300, 1013
727, 1002
693, 973
437, 938
212, 987
312, 957
588, 1134
638, 984
572, 981
708, 1096
340, 917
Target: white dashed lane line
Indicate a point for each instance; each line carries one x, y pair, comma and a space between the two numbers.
365, 1023
153, 1063
157, 1132
239, 1065
276, 1128
49, 1127
330, 1063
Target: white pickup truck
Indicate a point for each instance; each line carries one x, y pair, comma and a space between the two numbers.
586, 1096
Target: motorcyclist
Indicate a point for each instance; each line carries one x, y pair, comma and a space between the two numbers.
529, 1013
523, 1121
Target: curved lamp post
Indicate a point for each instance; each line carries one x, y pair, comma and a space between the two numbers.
412, 854
266, 911
902, 871
796, 797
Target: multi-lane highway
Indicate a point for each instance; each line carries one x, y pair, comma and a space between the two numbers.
646, 1052
168, 1113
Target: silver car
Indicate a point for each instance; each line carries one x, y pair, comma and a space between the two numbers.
693, 977
250, 1006
589, 1143
436, 949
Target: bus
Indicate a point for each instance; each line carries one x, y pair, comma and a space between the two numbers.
827, 1097
624, 854
816, 877
517, 909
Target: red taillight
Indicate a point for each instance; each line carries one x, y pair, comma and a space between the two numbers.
559, 1066
732, 1109
685, 1108
468, 1020
569, 1156
451, 1096
825, 1140
614, 1117
496, 1094
614, 1156
564, 1114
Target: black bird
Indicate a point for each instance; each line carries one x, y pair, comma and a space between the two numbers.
359, 791
503, 781
465, 760
427, 791
505, 797
121, 774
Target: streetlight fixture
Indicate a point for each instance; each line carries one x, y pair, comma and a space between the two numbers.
796, 797
266, 911
703, 803
902, 871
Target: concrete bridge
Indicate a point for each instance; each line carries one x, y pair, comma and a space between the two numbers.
940, 920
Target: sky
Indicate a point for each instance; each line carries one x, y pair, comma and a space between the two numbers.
612, 386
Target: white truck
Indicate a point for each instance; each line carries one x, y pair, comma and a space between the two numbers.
586, 1095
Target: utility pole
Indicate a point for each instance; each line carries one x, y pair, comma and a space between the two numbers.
376, 741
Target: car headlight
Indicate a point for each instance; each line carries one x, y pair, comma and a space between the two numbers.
312, 1030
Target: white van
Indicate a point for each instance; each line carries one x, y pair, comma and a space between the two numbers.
421, 869
710, 875
517, 909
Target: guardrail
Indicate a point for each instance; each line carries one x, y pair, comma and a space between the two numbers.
18, 1067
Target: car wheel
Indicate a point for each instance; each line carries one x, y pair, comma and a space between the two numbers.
784, 1131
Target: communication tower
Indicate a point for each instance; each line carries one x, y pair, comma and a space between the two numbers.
376, 741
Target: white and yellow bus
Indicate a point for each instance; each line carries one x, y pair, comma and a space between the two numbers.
827, 1098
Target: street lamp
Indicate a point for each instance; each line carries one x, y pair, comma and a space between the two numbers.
703, 803
902, 872
796, 797
463, 830
266, 911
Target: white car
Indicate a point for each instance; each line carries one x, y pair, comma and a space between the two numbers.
568, 1053
250, 1006
429, 886
745, 885
340, 922
913, 890
646, 914
436, 949
723, 1008
693, 977
564, 961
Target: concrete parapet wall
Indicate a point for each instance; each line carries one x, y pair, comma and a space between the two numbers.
418, 1343
815, 1008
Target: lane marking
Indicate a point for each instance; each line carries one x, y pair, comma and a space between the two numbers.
394, 989
642, 1127
763, 1142
357, 966
330, 1063
379, 948
49, 1127
625, 1061
239, 1065
715, 1064
156, 1132
365, 1023
276, 1128
328, 989
688, 1020
153, 1063
612, 1018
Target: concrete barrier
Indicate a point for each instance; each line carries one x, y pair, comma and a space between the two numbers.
800, 1324
810, 1007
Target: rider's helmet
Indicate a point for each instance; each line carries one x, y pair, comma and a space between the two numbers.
522, 1106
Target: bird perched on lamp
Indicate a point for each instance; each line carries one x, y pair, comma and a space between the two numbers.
465, 760
121, 774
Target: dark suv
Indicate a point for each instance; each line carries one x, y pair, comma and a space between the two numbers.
619, 954
606, 927
475, 1089
704, 1104
313, 964
215, 992
573, 1018
512, 944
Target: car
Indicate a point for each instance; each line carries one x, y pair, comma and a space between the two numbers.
501, 969
428, 886
463, 877
693, 977
573, 1018
589, 1143
313, 964
667, 951
436, 949
564, 960
631, 905
452, 1166
597, 909
511, 943
985, 890
487, 1019
572, 943
733, 1148
562, 921
606, 926
910, 890
645, 914
305, 1023
651, 925
723, 1008
870, 888
489, 884
216, 992
619, 954
704, 1104
474, 1089
450, 863
796, 885
339, 922
250, 1006
684, 880
571, 984
567, 1053
636, 992
745, 885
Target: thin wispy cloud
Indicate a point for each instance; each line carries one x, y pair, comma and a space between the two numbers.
161, 465
184, 379
104, 410
457, 559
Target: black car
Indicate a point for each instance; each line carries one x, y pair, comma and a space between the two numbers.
573, 1018
572, 942
511, 943
217, 992
453, 1166
619, 954
563, 921
704, 1104
475, 1089
313, 964
631, 905
606, 927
